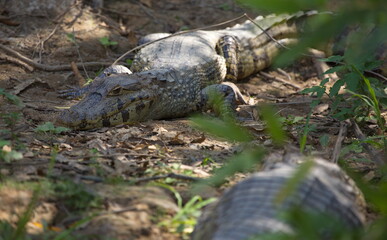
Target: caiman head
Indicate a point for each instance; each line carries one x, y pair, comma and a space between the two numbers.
113, 100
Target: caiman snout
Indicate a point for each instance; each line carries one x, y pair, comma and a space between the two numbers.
69, 118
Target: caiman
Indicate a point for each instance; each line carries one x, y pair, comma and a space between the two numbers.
263, 203
173, 77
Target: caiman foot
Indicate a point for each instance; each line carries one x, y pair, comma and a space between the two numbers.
222, 98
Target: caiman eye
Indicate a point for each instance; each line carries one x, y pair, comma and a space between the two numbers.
116, 91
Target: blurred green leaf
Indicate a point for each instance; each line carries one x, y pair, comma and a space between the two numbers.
12, 98
280, 6
333, 58
243, 162
291, 185
70, 37
226, 129
106, 42
336, 87
273, 124
49, 127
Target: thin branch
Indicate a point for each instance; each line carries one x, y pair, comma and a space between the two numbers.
280, 80
144, 179
81, 80
45, 40
169, 175
375, 157
176, 34
16, 61
376, 74
342, 134
51, 68
265, 32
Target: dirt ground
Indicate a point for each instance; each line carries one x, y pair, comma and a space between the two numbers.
97, 159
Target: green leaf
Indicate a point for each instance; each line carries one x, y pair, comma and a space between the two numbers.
311, 90
106, 42
70, 37
352, 81
323, 82
10, 156
273, 125
129, 62
335, 69
333, 58
221, 128
4, 142
243, 162
336, 87
49, 127
279, 6
45, 127
58, 130
373, 65
324, 140
12, 98
291, 185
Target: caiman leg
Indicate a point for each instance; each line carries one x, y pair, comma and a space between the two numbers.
228, 48
231, 94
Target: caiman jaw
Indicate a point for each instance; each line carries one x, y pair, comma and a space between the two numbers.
115, 100
134, 111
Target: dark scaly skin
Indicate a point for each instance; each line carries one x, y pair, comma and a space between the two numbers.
172, 77
250, 208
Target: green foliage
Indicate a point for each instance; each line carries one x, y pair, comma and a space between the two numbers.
74, 195
106, 42
226, 129
273, 125
280, 6
185, 218
70, 37
129, 62
7, 154
290, 119
291, 185
8, 232
225, 7
242, 162
8, 149
11, 98
48, 127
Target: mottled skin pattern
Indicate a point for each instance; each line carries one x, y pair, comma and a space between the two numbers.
249, 208
172, 77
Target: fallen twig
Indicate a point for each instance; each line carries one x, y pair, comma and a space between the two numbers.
81, 80
375, 157
320, 66
16, 61
41, 43
144, 179
341, 136
278, 79
8, 21
376, 74
169, 175
280, 70
51, 68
